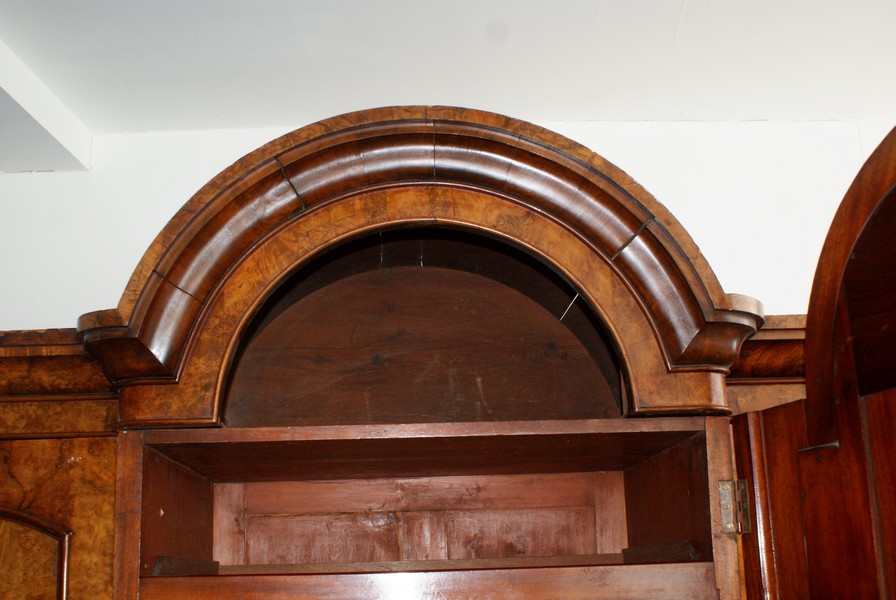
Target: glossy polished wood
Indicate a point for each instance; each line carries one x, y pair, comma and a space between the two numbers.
879, 422
720, 467
58, 416
653, 582
196, 398
845, 470
766, 446
382, 154
869, 192
776, 354
870, 291
836, 514
128, 515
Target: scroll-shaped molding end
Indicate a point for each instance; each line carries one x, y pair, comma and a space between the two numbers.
718, 342
123, 355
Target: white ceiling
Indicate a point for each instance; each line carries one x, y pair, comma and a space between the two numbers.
126, 66
791, 95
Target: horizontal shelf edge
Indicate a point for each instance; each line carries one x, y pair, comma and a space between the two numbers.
423, 430
651, 581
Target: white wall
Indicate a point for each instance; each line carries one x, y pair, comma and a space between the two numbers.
71, 240
757, 197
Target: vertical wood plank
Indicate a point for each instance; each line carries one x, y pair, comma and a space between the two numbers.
176, 512
834, 482
760, 572
666, 501
611, 533
783, 434
128, 502
879, 423
228, 529
425, 536
720, 467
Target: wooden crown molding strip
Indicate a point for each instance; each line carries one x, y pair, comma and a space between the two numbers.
40, 342
776, 354
50, 418
35, 375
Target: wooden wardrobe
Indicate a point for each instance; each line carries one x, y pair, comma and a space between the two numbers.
415, 352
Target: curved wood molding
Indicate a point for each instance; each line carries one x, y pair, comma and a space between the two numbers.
61, 535
315, 170
826, 323
776, 354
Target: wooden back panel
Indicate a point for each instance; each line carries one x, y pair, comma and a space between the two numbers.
378, 335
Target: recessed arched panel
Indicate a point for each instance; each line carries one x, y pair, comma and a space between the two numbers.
245, 233
423, 325
33, 557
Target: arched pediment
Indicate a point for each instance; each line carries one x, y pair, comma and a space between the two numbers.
259, 220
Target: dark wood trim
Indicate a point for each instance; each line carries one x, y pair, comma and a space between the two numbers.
128, 504
775, 561
870, 188
776, 354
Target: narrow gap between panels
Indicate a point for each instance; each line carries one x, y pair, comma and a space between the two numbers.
570, 306
289, 181
632, 239
177, 287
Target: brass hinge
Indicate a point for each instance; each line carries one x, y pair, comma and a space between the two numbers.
734, 499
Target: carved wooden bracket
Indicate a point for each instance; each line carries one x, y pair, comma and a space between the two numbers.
442, 153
